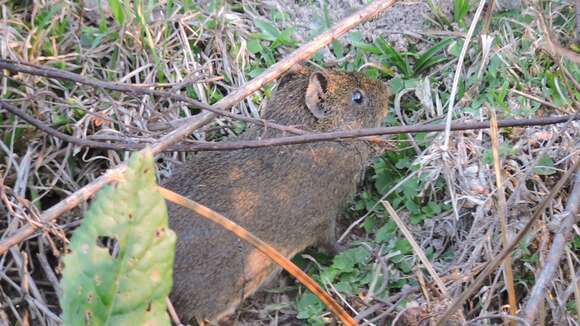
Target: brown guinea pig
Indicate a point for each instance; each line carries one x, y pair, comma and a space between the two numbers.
289, 196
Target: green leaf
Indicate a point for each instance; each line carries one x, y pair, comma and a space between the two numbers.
417, 218
45, 16
309, 306
59, 119
325, 15
382, 182
386, 232
403, 163
405, 266
188, 5
91, 37
280, 16
455, 48
370, 223
504, 150
429, 253
576, 242
411, 188
344, 287
345, 261
393, 56
254, 46
396, 84
403, 246
545, 166
119, 269
255, 72
285, 38
117, 10
411, 206
556, 89
432, 208
356, 39
269, 32
428, 59
460, 10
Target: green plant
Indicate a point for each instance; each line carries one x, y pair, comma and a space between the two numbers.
310, 309
545, 166
389, 56
460, 10
118, 11
263, 45
119, 267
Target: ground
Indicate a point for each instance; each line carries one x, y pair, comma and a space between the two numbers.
521, 62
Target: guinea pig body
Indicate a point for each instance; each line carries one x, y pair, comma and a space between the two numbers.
289, 196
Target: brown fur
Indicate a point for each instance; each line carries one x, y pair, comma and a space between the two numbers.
288, 196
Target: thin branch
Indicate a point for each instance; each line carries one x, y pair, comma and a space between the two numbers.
50, 72
358, 133
262, 246
416, 248
501, 213
536, 99
172, 312
280, 141
552, 46
496, 261
521, 180
302, 53
64, 137
552, 261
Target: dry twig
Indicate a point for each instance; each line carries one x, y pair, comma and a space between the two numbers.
501, 213
416, 248
552, 46
536, 99
552, 261
279, 141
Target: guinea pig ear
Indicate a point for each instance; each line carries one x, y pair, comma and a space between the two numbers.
317, 88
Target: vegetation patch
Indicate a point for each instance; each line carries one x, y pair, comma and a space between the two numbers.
518, 63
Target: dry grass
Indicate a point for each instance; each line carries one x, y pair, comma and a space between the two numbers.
204, 54
39, 170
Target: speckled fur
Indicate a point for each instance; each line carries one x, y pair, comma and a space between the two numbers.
288, 196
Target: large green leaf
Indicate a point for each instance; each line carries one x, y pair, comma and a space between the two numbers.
119, 269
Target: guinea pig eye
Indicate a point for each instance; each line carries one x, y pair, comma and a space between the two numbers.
357, 97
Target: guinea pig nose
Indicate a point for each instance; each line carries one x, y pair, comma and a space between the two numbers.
357, 97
